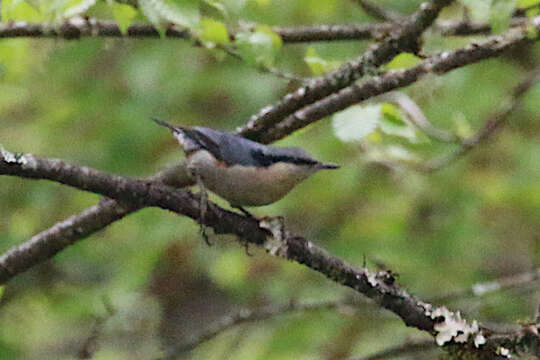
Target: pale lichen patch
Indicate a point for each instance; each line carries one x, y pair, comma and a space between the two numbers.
479, 339
372, 278
12, 158
451, 327
502, 351
277, 243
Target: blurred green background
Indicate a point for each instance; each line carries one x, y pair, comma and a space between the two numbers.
89, 102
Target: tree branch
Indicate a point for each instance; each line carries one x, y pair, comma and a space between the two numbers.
79, 28
440, 64
405, 38
138, 193
46, 244
446, 326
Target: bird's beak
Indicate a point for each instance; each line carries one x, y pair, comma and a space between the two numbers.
328, 166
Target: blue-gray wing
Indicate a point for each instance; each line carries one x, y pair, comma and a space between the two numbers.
228, 147
236, 150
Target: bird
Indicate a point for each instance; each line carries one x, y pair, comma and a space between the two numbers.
242, 171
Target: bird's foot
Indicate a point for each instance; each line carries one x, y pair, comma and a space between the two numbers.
203, 206
206, 238
245, 212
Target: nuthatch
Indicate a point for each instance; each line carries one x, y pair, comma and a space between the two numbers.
243, 172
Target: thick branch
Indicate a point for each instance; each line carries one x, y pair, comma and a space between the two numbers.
148, 192
380, 286
405, 38
48, 243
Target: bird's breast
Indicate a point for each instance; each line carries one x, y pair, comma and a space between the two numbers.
247, 185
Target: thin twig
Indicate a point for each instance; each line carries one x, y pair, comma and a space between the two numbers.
417, 118
242, 317
262, 67
79, 28
494, 123
480, 289
468, 28
90, 345
378, 12
408, 348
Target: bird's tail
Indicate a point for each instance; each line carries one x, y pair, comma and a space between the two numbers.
328, 166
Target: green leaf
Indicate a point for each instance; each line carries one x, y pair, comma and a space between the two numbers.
497, 12
524, 4
76, 7
478, 9
123, 15
259, 47
17, 10
403, 60
181, 12
392, 114
500, 14
213, 9
213, 31
356, 122
316, 64
462, 126
149, 9
392, 123
532, 12
532, 32
234, 6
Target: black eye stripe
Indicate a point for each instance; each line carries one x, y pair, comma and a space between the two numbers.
266, 160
